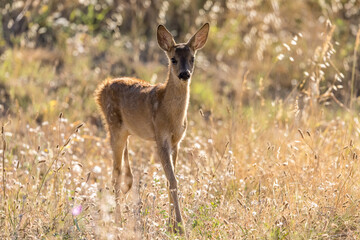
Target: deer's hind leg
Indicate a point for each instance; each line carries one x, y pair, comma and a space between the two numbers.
128, 178
118, 141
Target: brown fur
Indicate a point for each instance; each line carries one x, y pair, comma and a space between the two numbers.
153, 112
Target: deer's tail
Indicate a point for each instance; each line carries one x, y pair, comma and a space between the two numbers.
106, 99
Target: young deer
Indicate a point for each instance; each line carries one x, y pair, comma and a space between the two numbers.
153, 112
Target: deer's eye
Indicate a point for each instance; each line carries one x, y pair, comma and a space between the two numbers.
173, 60
192, 59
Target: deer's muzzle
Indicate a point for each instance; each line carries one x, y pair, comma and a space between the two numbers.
184, 75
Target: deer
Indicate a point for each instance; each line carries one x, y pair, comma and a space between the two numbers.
158, 113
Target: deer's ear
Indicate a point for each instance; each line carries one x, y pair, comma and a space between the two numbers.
164, 38
198, 40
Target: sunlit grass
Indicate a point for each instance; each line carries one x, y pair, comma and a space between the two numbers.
271, 150
255, 175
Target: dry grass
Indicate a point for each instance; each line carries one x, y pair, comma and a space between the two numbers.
256, 163
258, 176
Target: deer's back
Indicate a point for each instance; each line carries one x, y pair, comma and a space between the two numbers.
129, 103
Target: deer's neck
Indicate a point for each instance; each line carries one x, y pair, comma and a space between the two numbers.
176, 97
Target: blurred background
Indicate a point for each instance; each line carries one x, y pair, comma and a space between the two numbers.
56, 52
271, 149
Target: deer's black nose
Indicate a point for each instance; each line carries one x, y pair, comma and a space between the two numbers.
184, 75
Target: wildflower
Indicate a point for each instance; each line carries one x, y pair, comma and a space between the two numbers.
152, 195
97, 169
202, 154
8, 134
76, 210
77, 169
280, 56
314, 205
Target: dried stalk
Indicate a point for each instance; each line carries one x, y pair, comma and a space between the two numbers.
3, 159
353, 68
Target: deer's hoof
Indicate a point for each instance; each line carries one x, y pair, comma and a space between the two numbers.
176, 227
179, 229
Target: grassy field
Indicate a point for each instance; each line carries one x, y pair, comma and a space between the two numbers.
271, 150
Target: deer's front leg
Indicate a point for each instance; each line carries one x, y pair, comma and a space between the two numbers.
174, 154
165, 151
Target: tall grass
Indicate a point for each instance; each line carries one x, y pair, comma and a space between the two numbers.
271, 150
354, 67
274, 180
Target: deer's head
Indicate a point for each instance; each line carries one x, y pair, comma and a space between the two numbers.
182, 55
